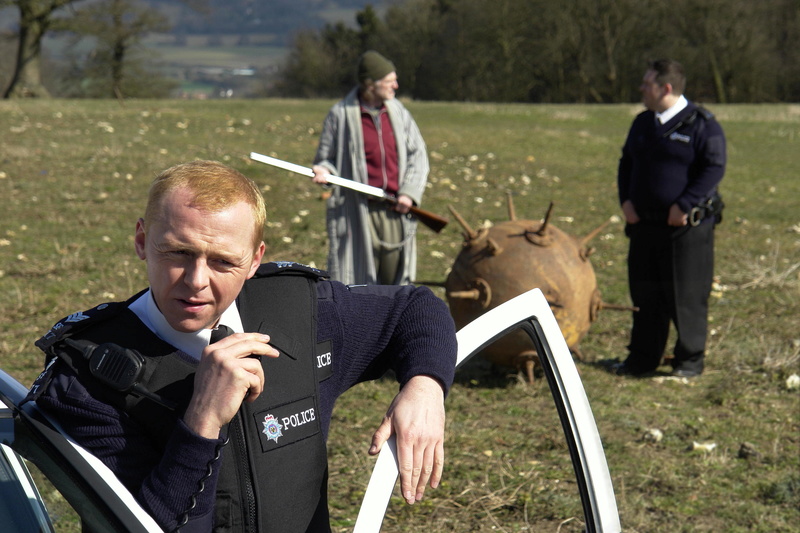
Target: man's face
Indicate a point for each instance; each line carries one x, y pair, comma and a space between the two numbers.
385, 87
652, 93
197, 262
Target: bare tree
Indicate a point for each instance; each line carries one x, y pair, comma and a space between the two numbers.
118, 27
35, 19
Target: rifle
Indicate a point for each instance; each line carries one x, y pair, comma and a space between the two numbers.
432, 220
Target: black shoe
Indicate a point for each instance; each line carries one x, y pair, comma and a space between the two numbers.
685, 373
622, 369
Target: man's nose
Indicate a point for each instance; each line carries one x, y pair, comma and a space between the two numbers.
196, 274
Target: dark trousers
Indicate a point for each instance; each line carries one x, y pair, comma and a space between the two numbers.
670, 271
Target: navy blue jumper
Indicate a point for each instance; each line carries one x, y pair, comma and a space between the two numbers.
369, 330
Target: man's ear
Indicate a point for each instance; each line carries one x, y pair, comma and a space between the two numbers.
257, 256
139, 239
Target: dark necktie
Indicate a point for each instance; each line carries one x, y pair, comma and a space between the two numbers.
220, 333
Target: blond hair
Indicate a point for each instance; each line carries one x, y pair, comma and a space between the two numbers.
214, 188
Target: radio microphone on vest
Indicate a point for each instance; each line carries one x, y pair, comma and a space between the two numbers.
117, 367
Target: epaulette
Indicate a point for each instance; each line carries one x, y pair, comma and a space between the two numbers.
705, 113
274, 268
75, 322
698, 111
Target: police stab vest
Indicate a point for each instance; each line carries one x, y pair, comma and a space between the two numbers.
273, 476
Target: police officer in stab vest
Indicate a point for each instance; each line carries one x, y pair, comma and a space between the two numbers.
671, 164
232, 367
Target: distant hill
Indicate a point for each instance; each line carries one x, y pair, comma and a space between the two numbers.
237, 46
280, 18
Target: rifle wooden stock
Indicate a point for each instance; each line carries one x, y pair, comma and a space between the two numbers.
432, 220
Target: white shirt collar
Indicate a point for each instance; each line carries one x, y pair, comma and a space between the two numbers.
191, 343
676, 108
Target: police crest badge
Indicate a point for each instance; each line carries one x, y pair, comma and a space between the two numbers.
272, 429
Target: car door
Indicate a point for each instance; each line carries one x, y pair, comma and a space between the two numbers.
531, 313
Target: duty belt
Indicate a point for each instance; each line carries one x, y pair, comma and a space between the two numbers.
713, 206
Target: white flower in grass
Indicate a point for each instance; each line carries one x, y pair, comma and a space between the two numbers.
703, 447
653, 435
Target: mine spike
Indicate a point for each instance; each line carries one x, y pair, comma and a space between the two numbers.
512, 215
543, 227
471, 294
470, 233
493, 247
592, 234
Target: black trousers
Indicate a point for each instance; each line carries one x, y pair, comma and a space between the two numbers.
670, 271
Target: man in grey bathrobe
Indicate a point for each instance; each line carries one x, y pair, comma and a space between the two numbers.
370, 137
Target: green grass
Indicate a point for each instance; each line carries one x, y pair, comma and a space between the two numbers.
74, 175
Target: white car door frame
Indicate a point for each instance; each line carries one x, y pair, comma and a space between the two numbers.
531, 313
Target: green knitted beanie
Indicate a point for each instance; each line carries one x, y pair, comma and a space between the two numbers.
373, 66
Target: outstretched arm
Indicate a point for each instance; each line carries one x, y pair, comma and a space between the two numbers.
409, 330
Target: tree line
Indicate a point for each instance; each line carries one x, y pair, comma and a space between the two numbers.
455, 50
568, 51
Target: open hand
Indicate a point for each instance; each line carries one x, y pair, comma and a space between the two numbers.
417, 417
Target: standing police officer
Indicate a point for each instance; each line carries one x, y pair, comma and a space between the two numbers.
671, 164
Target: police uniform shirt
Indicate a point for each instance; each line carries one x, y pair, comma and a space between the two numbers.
676, 108
192, 343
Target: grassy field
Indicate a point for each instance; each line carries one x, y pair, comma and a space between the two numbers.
73, 179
